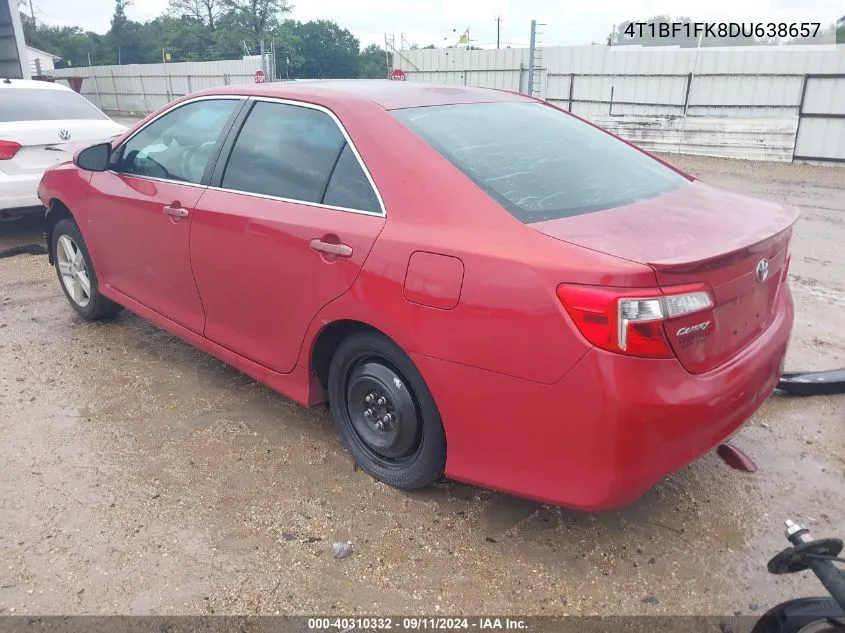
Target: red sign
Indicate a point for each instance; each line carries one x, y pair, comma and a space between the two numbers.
398, 75
260, 78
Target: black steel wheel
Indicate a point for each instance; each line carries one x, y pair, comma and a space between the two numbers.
385, 414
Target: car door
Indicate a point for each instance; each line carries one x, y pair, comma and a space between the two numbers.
140, 210
285, 227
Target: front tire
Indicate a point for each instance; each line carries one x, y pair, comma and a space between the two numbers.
805, 615
385, 415
76, 273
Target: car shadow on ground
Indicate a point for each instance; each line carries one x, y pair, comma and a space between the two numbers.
21, 231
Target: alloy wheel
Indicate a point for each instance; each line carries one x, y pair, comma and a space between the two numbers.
73, 270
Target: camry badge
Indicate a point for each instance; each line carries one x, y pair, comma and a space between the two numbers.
693, 329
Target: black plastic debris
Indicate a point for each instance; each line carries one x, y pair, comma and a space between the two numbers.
813, 383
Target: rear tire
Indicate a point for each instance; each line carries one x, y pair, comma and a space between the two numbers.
385, 415
76, 273
805, 615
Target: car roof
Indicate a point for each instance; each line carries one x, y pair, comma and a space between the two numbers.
389, 95
30, 84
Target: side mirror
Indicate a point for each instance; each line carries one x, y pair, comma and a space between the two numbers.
94, 158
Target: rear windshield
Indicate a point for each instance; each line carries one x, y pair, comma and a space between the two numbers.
537, 162
39, 104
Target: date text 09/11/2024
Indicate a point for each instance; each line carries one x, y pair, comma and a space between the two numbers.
721, 29
346, 625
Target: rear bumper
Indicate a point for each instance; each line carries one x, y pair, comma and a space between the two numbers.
611, 428
19, 191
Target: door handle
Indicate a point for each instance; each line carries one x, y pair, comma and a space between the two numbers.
339, 250
175, 212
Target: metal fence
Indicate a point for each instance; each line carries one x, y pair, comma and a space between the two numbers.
141, 88
771, 103
744, 102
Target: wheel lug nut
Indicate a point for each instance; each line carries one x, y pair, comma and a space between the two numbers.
368, 413
379, 425
387, 418
369, 398
381, 401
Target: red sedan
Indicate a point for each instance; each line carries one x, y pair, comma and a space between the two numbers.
481, 284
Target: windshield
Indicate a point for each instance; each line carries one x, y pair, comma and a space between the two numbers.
34, 104
538, 162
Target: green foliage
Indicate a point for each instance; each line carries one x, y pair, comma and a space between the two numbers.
372, 63
202, 30
255, 17
71, 42
327, 51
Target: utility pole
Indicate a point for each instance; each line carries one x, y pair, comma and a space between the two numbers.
388, 45
96, 85
531, 51
498, 29
31, 11
263, 59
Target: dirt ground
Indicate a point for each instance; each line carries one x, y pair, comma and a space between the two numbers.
142, 476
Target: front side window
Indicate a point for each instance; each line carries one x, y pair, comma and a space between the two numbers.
178, 145
285, 151
540, 163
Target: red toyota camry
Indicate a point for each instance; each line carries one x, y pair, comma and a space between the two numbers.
481, 284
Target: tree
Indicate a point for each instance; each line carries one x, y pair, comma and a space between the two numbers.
71, 43
206, 11
187, 39
125, 38
372, 63
326, 50
256, 16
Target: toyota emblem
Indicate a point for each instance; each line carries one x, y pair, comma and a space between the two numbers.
762, 270
64, 135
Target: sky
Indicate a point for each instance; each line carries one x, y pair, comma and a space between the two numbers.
441, 22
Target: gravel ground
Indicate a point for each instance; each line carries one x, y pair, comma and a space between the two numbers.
142, 476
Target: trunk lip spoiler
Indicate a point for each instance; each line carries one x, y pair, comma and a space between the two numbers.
813, 383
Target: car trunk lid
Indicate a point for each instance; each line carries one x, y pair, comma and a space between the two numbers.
737, 246
37, 139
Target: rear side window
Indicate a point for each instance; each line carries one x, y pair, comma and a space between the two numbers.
537, 162
284, 151
40, 104
349, 187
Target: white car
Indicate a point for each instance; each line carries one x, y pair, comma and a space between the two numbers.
35, 115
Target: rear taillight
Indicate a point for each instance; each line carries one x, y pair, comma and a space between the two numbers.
8, 149
630, 321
